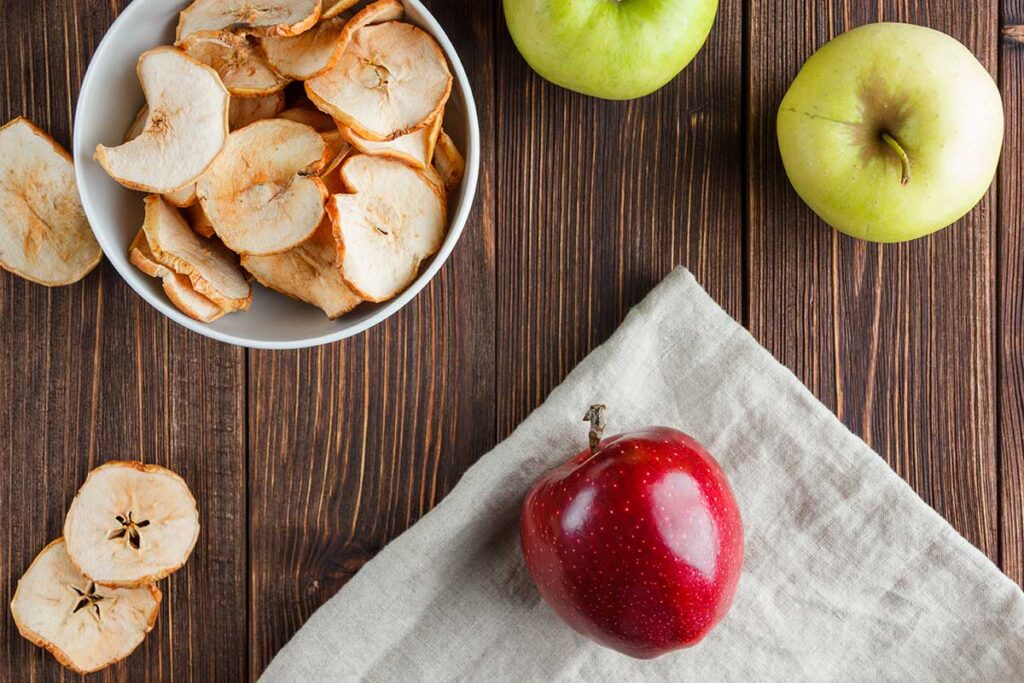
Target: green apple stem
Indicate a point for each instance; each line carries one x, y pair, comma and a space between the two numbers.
902, 154
595, 416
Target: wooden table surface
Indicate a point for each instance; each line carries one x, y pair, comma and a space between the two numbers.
306, 463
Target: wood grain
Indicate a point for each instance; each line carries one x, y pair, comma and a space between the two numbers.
1010, 292
91, 373
352, 443
898, 340
306, 463
600, 200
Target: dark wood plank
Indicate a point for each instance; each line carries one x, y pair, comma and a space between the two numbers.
898, 340
1010, 286
91, 373
352, 443
600, 200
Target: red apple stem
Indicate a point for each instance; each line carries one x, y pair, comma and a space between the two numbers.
902, 154
595, 416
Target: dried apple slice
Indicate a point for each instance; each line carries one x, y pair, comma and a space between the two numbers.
250, 110
212, 269
184, 197
131, 524
391, 80
44, 234
316, 119
334, 8
199, 221
448, 162
185, 130
178, 287
262, 195
394, 220
85, 627
308, 54
137, 125
240, 63
312, 53
268, 17
307, 273
415, 149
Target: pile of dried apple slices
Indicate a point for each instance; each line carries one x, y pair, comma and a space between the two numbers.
299, 143
90, 597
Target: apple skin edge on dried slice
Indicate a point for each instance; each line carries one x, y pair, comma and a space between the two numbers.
199, 221
394, 219
332, 8
178, 287
240, 63
308, 54
391, 80
262, 196
185, 130
86, 627
314, 118
212, 269
244, 111
312, 53
44, 234
268, 17
131, 524
307, 273
448, 162
415, 149
138, 124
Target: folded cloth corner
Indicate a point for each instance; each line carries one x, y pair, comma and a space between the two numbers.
848, 574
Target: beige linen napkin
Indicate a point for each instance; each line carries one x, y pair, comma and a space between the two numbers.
848, 575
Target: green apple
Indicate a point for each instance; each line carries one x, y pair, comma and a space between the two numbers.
615, 49
891, 132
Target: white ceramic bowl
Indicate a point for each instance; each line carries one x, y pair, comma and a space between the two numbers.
108, 102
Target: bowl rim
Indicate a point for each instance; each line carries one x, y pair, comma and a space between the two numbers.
457, 222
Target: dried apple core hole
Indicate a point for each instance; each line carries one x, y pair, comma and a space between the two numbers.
87, 599
159, 121
128, 530
374, 75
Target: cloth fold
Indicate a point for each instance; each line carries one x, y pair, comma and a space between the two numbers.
848, 574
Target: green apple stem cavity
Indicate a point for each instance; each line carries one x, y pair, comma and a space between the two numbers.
901, 154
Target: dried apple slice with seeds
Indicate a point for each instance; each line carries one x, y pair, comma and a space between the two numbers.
262, 196
185, 130
44, 234
86, 627
307, 273
178, 287
268, 17
240, 63
213, 269
391, 80
131, 524
394, 220
415, 149
244, 111
448, 162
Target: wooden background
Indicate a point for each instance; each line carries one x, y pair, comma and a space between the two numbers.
306, 463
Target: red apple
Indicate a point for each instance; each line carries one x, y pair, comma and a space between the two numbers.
637, 541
